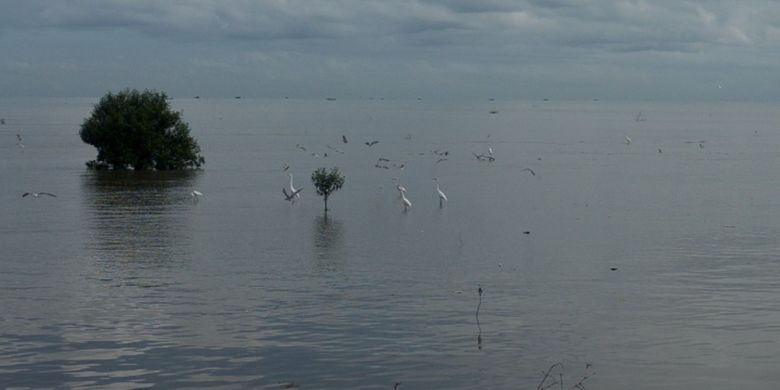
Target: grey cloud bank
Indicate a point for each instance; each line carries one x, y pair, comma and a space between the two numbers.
568, 49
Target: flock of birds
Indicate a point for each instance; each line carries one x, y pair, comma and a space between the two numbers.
293, 194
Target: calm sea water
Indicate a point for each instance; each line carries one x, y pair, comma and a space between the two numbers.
123, 281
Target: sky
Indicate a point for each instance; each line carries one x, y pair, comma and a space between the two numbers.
440, 49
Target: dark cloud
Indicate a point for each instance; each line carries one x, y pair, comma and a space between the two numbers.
421, 41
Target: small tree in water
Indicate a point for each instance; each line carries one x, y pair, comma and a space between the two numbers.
326, 183
138, 130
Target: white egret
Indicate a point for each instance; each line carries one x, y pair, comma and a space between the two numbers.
406, 202
38, 194
293, 192
442, 197
628, 141
195, 194
401, 189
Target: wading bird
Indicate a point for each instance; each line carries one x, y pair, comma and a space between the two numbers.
401, 189
293, 192
442, 197
407, 204
195, 194
628, 141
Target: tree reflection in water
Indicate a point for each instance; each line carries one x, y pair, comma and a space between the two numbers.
328, 243
138, 217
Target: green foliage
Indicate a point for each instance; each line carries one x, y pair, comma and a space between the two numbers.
327, 182
139, 130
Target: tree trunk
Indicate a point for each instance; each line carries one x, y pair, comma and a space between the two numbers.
326, 204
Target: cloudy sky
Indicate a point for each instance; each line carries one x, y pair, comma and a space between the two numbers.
521, 49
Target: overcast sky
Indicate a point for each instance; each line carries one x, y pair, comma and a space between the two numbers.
522, 49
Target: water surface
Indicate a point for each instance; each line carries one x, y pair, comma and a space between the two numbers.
124, 281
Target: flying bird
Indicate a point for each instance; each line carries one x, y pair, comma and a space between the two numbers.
529, 170
334, 149
442, 197
293, 192
483, 157
291, 197
38, 194
372, 143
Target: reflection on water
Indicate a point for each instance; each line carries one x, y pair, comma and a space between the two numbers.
328, 243
123, 281
136, 216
